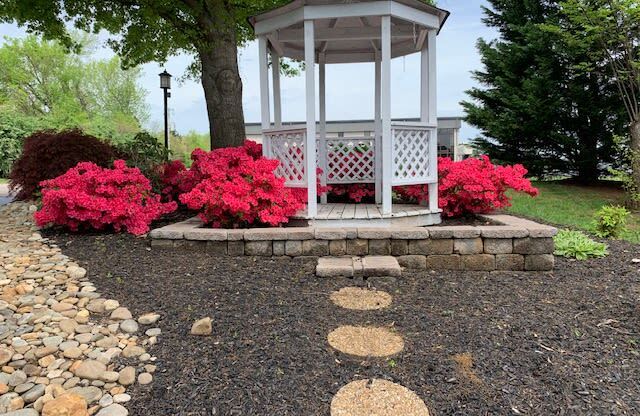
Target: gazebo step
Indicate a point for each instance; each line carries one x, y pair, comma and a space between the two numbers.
368, 266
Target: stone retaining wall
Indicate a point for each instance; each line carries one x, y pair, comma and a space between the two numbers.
511, 244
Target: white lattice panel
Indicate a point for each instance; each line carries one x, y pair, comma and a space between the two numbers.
350, 160
288, 146
412, 155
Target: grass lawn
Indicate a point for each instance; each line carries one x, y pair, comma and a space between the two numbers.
3, 180
572, 205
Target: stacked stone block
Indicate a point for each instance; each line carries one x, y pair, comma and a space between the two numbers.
512, 244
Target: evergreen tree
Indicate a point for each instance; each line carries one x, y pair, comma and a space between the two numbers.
533, 106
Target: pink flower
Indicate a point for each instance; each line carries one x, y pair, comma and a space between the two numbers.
90, 197
472, 186
237, 187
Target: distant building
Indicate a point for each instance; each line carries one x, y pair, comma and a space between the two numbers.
448, 133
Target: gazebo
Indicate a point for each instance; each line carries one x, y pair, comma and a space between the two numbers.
342, 31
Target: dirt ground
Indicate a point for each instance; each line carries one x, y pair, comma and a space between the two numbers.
476, 343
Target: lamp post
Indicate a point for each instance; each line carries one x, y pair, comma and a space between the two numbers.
165, 84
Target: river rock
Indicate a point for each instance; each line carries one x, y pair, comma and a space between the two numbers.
91, 369
68, 404
148, 319
33, 393
129, 326
113, 410
127, 376
121, 314
202, 327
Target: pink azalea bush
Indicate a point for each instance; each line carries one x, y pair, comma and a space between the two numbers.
355, 192
90, 197
176, 179
472, 186
237, 187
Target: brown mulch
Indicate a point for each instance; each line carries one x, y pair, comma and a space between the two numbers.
476, 343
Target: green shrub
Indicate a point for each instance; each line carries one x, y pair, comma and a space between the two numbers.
148, 154
13, 129
183, 145
610, 221
577, 244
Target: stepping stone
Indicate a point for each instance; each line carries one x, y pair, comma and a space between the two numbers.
376, 397
381, 266
368, 266
366, 341
335, 267
361, 299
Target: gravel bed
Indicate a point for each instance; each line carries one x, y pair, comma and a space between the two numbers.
476, 343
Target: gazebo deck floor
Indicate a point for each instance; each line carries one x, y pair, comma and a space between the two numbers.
365, 215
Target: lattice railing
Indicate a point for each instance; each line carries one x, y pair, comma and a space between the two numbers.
413, 161
288, 146
350, 160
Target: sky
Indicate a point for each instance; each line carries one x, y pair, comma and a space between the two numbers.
350, 87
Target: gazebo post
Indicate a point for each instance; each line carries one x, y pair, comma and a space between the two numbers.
322, 152
264, 92
385, 114
432, 114
377, 128
310, 145
277, 100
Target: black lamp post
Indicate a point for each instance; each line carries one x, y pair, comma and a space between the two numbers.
165, 84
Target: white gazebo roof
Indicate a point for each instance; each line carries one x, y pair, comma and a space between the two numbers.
349, 31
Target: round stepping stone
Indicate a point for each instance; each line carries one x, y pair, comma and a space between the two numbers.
366, 341
361, 299
377, 397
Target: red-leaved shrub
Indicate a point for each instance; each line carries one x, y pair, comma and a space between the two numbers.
49, 154
472, 186
90, 197
237, 187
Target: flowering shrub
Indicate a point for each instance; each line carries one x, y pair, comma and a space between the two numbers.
355, 192
176, 179
90, 197
472, 186
171, 174
237, 187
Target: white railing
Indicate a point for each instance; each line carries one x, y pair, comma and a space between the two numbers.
288, 146
414, 147
346, 160
349, 160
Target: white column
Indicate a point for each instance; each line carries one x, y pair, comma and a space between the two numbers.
385, 114
456, 156
310, 145
264, 91
377, 128
424, 83
277, 100
322, 152
429, 111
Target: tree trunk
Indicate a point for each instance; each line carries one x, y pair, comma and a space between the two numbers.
223, 92
635, 153
587, 161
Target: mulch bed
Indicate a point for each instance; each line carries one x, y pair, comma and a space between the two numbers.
562, 343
